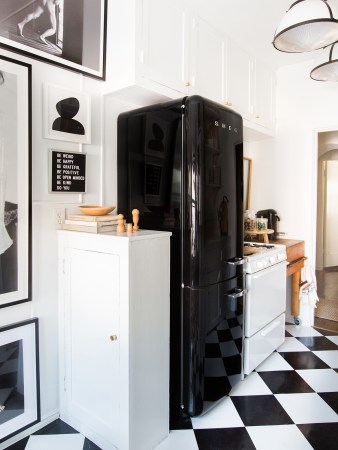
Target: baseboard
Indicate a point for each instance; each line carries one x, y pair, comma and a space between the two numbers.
44, 421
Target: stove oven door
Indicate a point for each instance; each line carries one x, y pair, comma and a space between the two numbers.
266, 297
264, 314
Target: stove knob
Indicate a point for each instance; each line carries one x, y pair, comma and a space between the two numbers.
265, 263
272, 259
259, 264
281, 256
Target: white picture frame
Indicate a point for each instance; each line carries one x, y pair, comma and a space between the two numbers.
67, 115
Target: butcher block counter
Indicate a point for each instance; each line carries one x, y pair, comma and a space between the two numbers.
295, 255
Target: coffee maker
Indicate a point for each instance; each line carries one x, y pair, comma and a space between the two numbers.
273, 218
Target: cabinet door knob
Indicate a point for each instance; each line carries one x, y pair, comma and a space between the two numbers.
113, 337
187, 84
229, 103
258, 116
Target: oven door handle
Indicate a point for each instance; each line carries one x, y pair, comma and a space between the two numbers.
236, 293
236, 261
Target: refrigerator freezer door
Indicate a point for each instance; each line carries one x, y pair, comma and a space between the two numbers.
212, 343
212, 193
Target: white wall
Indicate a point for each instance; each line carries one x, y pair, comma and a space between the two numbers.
263, 183
44, 276
304, 107
44, 303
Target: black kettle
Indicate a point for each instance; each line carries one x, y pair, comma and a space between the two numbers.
273, 218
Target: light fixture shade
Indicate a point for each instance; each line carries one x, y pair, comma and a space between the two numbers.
327, 69
308, 25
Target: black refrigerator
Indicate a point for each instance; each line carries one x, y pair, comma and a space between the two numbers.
181, 164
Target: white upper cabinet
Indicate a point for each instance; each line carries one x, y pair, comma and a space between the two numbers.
165, 43
207, 61
179, 53
264, 104
238, 76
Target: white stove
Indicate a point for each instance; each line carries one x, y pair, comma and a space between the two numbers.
261, 256
264, 312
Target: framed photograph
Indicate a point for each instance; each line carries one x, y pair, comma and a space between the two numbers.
67, 115
19, 378
15, 182
67, 33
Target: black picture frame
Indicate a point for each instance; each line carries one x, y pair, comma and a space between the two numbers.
68, 45
19, 377
15, 182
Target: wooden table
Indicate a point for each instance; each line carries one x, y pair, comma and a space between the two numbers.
295, 253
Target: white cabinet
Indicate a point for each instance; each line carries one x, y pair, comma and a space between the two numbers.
239, 81
178, 53
165, 39
264, 104
207, 61
114, 337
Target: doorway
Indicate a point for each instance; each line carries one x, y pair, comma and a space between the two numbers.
327, 225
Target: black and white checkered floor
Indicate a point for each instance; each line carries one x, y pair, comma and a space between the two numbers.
290, 402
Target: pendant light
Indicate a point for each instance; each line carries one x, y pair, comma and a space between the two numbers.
308, 25
327, 70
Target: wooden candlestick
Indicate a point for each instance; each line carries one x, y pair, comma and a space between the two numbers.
135, 213
129, 227
120, 224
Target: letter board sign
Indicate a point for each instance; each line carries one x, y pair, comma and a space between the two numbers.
67, 171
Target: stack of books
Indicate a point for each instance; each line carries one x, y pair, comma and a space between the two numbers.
91, 224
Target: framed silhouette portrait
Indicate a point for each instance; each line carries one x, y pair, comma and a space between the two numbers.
67, 115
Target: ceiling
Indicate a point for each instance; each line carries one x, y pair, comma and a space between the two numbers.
252, 24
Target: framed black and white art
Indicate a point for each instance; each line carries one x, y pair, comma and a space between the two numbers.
67, 115
67, 33
15, 182
19, 377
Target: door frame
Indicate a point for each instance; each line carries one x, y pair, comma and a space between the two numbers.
315, 134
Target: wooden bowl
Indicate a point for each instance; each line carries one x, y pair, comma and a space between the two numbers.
96, 210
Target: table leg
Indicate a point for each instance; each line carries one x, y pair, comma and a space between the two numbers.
266, 238
295, 294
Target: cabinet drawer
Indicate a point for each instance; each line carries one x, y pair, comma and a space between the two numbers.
258, 347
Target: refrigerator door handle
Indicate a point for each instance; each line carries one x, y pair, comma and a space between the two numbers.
235, 293
236, 261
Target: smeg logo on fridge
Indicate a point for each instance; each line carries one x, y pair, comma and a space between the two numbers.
225, 126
